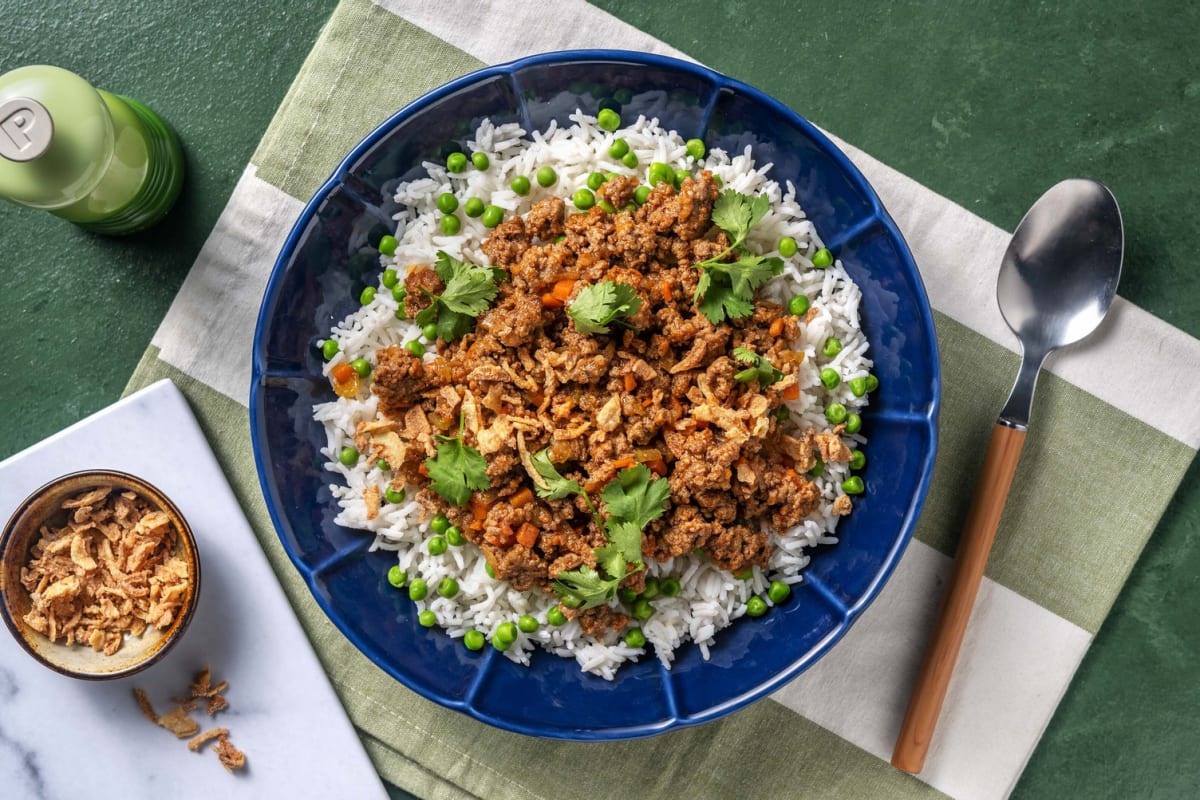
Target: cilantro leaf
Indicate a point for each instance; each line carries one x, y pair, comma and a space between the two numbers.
611, 560
557, 487
626, 538
468, 292
588, 585
457, 470
760, 369
726, 289
632, 499
598, 304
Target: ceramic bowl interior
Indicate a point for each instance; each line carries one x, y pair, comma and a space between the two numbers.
331, 254
23, 530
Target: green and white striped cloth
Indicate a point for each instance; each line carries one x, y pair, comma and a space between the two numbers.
1103, 460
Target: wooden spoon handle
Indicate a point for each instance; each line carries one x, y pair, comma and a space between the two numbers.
991, 492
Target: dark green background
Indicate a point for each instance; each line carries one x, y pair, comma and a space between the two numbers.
987, 104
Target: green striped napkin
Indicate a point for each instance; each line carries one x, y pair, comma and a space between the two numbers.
1074, 525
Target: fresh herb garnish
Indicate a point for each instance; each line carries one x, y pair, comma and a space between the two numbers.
588, 585
555, 487
760, 369
469, 290
726, 289
598, 304
457, 469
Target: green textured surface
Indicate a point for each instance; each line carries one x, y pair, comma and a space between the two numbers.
988, 106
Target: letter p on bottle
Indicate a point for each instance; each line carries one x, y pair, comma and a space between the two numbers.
25, 129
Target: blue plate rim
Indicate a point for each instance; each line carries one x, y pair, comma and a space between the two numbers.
928, 421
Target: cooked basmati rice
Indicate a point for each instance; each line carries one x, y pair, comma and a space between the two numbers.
710, 599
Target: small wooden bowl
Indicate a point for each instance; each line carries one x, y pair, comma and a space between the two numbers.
23, 531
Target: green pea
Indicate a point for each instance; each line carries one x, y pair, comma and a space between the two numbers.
745, 574
500, 645
858, 459
858, 386
640, 194
660, 173
416, 348
618, 148
521, 185
448, 587
429, 331
642, 610
427, 618
417, 589
872, 383
670, 587
835, 413
830, 378
608, 119
451, 224
474, 640
439, 524
361, 366
853, 485
583, 199
390, 279
786, 247
822, 258
853, 423
396, 576
595, 180
367, 295
798, 305
387, 245
527, 623
681, 175
348, 456
818, 468
717, 179
490, 570
756, 606
400, 312
473, 207
635, 638
626, 595
608, 176
695, 148
779, 591
571, 600
546, 176
832, 346
652, 589
329, 349
492, 216
506, 632
394, 496
556, 617
481, 161
454, 536
606, 206
382, 464
436, 546
456, 162
399, 292
630, 207
447, 203
630, 160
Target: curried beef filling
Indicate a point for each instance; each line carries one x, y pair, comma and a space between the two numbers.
658, 390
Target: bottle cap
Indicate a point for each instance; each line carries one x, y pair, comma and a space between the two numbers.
26, 129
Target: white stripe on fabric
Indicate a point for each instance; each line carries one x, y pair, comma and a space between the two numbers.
1132, 362
1015, 663
208, 330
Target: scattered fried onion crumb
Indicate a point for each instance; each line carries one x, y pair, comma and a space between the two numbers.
178, 722
195, 743
106, 572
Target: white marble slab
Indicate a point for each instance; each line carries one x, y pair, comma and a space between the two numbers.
63, 738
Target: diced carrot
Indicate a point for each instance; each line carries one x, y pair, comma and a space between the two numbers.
776, 326
342, 372
792, 392
562, 289
479, 511
550, 301
521, 498
591, 487
665, 289
424, 470
527, 534
624, 463
658, 467
630, 382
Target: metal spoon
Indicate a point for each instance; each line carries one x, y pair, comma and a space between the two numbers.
1057, 281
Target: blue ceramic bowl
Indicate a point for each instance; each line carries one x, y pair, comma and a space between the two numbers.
328, 258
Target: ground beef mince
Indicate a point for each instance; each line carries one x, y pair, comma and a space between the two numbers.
657, 390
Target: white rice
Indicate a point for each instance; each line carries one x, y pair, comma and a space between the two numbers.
710, 598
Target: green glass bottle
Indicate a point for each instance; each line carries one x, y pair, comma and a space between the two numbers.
107, 163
